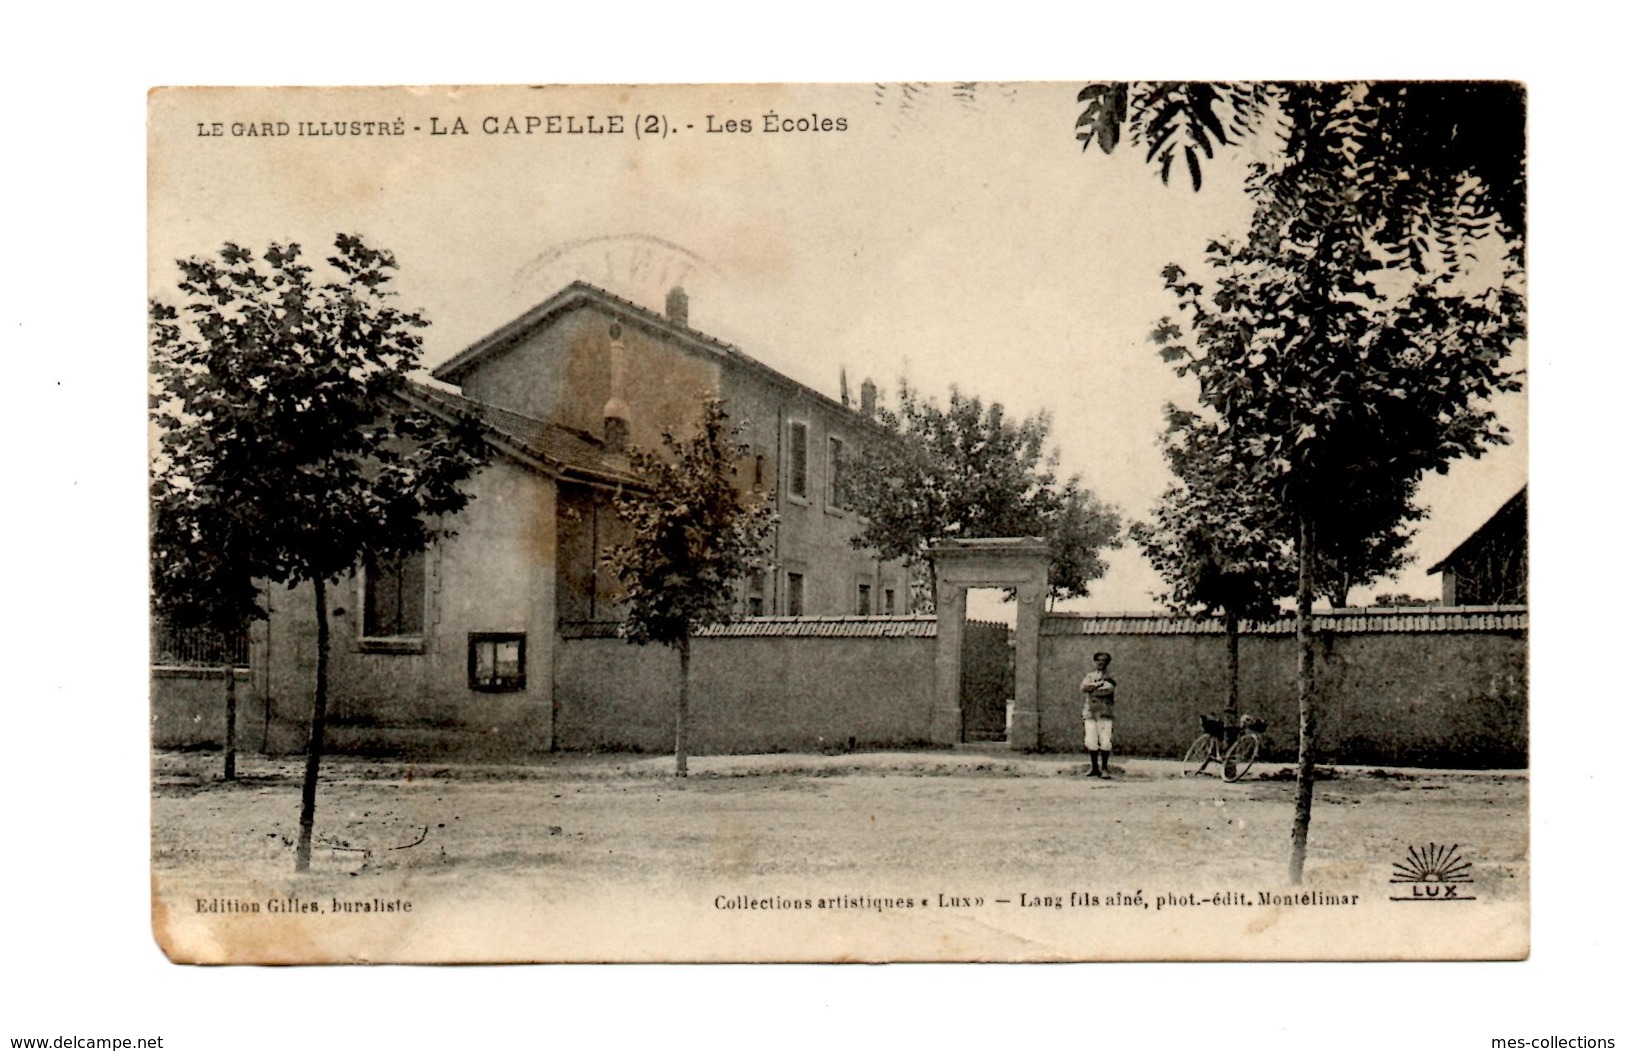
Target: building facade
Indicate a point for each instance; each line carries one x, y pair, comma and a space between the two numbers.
618, 375
461, 640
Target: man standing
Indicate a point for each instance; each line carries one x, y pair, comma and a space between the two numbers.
1099, 696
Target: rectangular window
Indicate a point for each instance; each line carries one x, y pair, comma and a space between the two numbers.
496, 661
761, 472
837, 473
864, 606
755, 597
798, 460
392, 599
798, 594
891, 602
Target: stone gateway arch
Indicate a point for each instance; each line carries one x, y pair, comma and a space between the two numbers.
1021, 563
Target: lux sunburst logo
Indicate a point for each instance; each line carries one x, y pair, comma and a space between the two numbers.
1434, 873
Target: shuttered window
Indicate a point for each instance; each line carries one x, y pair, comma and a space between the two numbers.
392, 602
798, 460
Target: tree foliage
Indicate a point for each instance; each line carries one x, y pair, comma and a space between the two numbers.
968, 471
1078, 527
201, 574
1394, 600
1216, 539
1330, 395
694, 534
1427, 166
1225, 546
283, 427
287, 448
1171, 120
1369, 540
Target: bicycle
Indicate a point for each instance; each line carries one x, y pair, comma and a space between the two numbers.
1209, 747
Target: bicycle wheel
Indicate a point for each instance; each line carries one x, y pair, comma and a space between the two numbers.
1239, 759
1198, 755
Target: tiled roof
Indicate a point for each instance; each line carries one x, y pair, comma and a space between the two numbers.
915, 627
1372, 621
1406, 619
580, 293
558, 446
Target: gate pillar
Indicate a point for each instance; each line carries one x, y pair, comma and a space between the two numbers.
1029, 611
947, 715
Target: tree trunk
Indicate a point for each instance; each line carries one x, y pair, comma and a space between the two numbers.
1340, 592
682, 707
1306, 698
231, 718
1232, 706
318, 730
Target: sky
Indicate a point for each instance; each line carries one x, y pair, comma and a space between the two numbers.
948, 234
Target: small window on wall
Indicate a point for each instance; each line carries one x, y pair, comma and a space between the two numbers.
496, 661
798, 460
797, 594
891, 602
392, 597
865, 606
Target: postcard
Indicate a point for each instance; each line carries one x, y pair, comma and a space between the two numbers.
839, 523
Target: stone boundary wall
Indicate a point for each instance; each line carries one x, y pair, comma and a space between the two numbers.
779, 684
1434, 687
189, 707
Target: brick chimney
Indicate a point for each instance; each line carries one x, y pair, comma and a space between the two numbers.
617, 417
677, 306
866, 397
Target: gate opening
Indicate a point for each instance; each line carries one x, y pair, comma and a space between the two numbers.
987, 670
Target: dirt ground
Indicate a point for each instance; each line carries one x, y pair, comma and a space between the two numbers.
986, 831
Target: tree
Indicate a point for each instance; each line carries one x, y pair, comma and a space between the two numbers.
1216, 539
694, 535
1336, 394
1336, 397
968, 471
288, 450
1225, 546
202, 582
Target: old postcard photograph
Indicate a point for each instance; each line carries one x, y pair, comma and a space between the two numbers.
945, 521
